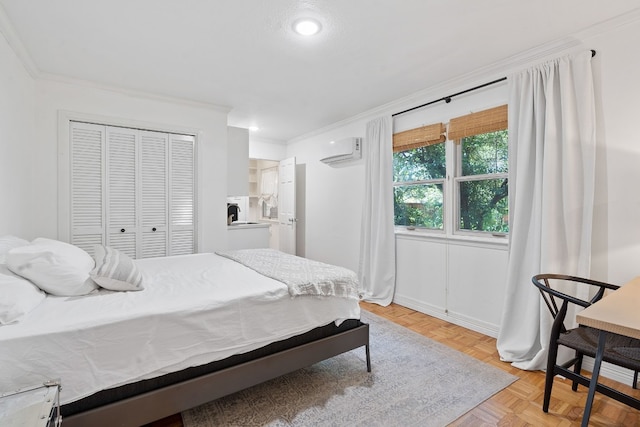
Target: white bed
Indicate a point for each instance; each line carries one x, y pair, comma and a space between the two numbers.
194, 309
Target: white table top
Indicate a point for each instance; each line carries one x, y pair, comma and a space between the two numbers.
617, 312
28, 408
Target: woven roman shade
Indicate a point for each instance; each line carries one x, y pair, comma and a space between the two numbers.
484, 121
419, 137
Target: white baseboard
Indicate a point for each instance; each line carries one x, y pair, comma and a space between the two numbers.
607, 370
455, 318
613, 372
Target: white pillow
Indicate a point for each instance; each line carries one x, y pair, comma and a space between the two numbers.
9, 242
18, 296
115, 270
56, 267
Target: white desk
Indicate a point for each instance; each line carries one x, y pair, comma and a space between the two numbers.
618, 312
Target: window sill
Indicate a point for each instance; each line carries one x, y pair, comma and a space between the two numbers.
462, 239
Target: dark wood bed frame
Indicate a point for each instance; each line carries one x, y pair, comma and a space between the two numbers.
172, 399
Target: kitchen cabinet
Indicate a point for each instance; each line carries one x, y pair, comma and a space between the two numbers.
237, 161
248, 236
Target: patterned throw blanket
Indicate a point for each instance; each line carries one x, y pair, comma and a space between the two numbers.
302, 276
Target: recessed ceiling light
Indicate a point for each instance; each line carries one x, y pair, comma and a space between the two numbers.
307, 26
253, 128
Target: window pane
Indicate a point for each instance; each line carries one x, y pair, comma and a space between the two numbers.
420, 163
485, 153
484, 205
419, 205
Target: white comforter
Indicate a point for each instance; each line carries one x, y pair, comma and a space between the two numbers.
194, 309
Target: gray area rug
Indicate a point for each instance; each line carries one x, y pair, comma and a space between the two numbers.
414, 381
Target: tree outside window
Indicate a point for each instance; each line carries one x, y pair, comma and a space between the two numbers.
482, 184
418, 189
479, 184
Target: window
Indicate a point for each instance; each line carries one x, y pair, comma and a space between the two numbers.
481, 183
419, 176
477, 163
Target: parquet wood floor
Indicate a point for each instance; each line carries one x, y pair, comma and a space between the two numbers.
518, 405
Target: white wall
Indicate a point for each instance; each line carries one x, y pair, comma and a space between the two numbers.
237, 161
616, 248
17, 130
266, 149
123, 108
330, 219
432, 274
334, 196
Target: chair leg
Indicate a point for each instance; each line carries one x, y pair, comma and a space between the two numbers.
577, 368
635, 380
548, 382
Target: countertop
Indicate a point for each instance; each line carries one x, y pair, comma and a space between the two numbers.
239, 225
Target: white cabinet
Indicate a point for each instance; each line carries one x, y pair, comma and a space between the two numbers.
237, 161
122, 189
248, 236
253, 179
462, 282
133, 190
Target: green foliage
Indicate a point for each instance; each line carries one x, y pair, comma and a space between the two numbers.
485, 153
483, 201
420, 164
419, 205
484, 205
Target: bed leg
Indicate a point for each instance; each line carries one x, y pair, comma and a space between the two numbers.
366, 349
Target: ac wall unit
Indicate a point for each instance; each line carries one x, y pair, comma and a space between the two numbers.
344, 150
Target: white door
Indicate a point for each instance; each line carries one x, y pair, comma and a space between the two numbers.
122, 195
182, 195
287, 205
87, 148
153, 194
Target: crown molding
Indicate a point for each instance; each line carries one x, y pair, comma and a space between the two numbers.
505, 67
477, 77
260, 139
610, 24
10, 35
133, 93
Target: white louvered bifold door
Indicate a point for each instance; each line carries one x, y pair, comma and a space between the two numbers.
87, 185
122, 194
154, 167
181, 194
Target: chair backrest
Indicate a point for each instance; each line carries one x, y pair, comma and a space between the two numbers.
544, 284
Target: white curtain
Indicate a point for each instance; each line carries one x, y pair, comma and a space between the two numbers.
551, 191
377, 270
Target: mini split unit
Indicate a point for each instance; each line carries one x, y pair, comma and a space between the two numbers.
343, 151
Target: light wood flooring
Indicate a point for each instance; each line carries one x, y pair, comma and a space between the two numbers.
520, 404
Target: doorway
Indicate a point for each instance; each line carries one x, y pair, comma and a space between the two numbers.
272, 200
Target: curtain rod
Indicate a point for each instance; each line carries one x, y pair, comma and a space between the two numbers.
447, 99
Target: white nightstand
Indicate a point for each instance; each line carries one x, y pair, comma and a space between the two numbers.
38, 406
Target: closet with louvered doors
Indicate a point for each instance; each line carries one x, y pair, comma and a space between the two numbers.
133, 190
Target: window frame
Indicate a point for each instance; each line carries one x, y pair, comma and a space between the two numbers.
459, 178
446, 201
451, 199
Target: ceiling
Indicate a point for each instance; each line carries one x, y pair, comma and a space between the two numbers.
244, 55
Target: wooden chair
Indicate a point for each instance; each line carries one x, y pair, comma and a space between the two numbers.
619, 350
